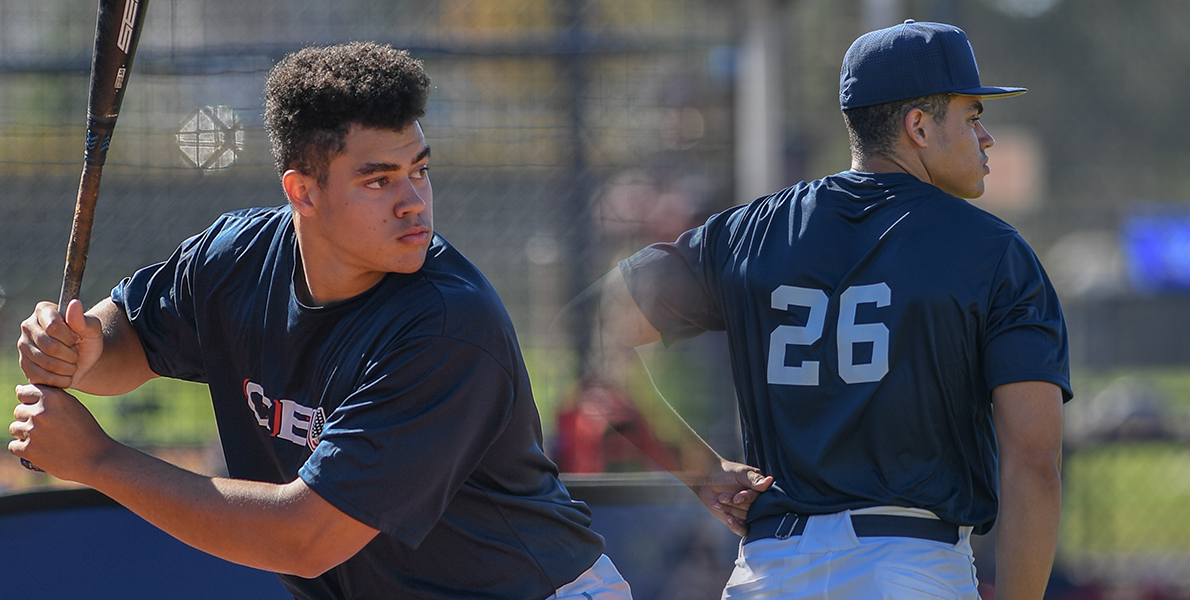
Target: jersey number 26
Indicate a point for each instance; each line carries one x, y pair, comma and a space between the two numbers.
848, 333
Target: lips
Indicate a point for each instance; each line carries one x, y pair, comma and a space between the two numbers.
416, 235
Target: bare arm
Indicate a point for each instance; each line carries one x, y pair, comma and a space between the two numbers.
284, 528
621, 322
726, 488
1028, 418
97, 352
280, 528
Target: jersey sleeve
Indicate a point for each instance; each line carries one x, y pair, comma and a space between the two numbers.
669, 282
397, 450
1026, 334
159, 302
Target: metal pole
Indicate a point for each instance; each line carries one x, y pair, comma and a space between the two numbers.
760, 124
579, 223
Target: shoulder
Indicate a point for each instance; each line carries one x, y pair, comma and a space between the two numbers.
767, 206
239, 235
457, 281
950, 215
237, 250
454, 301
846, 188
469, 301
976, 226
733, 225
242, 227
989, 245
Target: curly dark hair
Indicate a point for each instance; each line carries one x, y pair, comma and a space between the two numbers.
314, 96
873, 130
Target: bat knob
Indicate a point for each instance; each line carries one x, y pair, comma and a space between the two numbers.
31, 466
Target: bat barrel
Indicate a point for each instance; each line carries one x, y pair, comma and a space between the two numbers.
117, 32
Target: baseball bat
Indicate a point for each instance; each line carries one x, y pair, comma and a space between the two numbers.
117, 31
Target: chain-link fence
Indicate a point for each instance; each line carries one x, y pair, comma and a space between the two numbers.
567, 133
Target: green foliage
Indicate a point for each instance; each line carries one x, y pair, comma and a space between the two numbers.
1127, 497
551, 371
1171, 384
163, 412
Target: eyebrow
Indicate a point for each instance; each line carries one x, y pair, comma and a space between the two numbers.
978, 106
379, 167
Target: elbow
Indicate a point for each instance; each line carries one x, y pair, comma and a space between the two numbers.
313, 571
1042, 465
310, 564
1038, 475
326, 538
314, 555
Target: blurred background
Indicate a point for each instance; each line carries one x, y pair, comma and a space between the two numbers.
569, 133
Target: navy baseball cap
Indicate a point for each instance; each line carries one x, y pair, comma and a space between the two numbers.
909, 60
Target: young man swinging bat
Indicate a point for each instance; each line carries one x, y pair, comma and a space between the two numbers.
372, 402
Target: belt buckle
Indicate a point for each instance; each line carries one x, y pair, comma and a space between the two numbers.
782, 533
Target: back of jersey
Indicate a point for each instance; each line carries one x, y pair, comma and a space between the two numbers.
869, 316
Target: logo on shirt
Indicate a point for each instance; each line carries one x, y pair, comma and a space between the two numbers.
285, 419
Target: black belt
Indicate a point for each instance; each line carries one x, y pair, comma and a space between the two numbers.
789, 525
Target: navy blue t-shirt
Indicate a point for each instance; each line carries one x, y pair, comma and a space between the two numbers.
869, 317
407, 407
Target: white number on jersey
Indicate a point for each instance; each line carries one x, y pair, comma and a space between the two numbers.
848, 334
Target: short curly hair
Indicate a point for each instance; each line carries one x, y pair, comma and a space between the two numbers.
315, 95
873, 130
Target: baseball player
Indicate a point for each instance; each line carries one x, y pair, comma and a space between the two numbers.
372, 402
899, 355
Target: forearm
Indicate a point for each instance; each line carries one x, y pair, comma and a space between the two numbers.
700, 465
726, 488
1028, 418
697, 459
1027, 529
614, 362
122, 366
261, 525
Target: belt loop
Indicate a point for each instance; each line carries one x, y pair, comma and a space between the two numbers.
783, 533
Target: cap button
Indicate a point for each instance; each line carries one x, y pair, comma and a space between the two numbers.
909, 21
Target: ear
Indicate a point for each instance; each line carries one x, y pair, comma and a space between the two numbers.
918, 125
301, 189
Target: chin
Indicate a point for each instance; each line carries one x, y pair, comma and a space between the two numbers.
407, 269
970, 193
409, 264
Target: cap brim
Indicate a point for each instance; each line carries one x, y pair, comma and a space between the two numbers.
992, 92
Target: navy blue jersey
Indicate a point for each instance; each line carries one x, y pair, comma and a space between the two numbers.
408, 408
869, 317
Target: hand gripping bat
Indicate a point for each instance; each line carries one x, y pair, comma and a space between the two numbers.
117, 31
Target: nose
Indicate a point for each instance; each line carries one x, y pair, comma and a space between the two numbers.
410, 200
985, 139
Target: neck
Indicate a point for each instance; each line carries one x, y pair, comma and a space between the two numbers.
319, 283
891, 164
